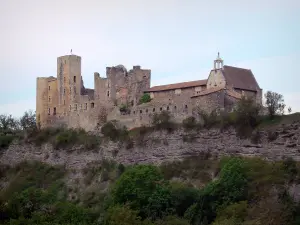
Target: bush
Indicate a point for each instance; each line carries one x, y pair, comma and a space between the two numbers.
145, 98
247, 116
163, 121
111, 131
6, 140
189, 123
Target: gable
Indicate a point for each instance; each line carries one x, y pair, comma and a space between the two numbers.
215, 79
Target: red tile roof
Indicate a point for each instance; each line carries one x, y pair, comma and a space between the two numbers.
177, 86
240, 78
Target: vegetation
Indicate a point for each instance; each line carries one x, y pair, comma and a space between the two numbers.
145, 98
274, 103
241, 191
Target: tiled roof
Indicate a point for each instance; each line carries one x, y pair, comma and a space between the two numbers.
177, 86
208, 91
240, 78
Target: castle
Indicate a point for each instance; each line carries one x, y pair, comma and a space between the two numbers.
63, 100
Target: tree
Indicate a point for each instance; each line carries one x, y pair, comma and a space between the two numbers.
274, 103
289, 110
7, 123
28, 120
144, 189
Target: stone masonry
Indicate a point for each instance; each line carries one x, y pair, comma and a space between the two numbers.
64, 101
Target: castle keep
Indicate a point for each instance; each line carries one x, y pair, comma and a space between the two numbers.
64, 100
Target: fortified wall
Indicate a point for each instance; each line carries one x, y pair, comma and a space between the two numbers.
64, 101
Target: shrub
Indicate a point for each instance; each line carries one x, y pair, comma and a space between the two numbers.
111, 131
209, 119
6, 140
145, 98
247, 116
163, 121
189, 123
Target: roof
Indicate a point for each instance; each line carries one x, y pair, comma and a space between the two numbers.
240, 78
208, 91
177, 86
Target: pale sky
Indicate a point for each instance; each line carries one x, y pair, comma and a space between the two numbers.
178, 40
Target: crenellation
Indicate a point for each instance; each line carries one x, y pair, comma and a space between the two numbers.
64, 100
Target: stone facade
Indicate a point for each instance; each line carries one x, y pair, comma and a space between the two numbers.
64, 100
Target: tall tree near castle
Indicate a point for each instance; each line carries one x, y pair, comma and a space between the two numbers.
274, 103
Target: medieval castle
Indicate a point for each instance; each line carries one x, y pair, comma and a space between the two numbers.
63, 100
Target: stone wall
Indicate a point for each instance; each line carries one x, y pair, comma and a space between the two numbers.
158, 147
209, 102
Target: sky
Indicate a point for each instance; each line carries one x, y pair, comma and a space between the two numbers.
177, 39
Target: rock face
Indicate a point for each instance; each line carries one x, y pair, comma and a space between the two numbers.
156, 147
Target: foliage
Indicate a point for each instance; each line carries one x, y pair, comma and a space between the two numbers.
189, 123
244, 191
163, 121
274, 103
145, 98
144, 189
112, 131
28, 121
246, 116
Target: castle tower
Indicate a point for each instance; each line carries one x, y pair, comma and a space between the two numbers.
218, 62
69, 81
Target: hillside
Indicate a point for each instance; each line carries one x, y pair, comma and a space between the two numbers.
165, 174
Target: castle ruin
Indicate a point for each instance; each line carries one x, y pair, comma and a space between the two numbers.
64, 100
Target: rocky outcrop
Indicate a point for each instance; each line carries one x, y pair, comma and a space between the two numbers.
156, 147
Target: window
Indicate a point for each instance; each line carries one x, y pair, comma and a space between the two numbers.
75, 107
49, 111
141, 111
74, 79
92, 105
160, 108
70, 107
168, 108
64, 91
70, 90
49, 88
132, 102
49, 99
54, 111
153, 110
186, 106
108, 94
133, 112
85, 106
175, 107
64, 102
146, 110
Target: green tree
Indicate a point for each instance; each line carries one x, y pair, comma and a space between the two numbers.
144, 189
274, 103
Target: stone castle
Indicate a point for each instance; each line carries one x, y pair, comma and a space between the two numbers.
64, 100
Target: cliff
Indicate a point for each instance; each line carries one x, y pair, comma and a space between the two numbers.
276, 143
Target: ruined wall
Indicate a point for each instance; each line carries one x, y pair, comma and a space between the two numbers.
216, 79
42, 100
